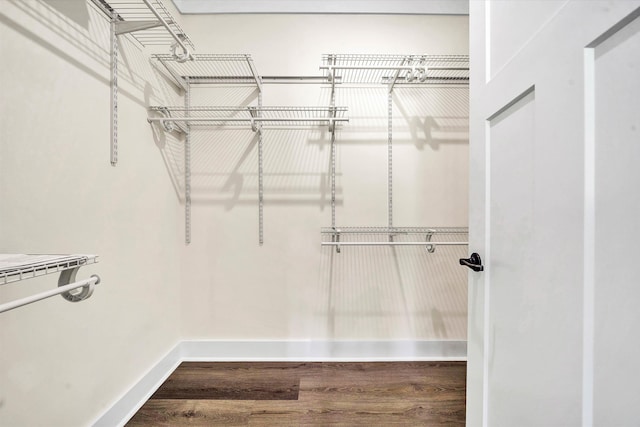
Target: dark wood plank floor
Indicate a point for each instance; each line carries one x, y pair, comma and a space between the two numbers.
309, 394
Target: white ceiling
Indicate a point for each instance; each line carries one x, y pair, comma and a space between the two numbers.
404, 7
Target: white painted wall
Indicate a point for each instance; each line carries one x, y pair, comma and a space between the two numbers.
62, 364
291, 288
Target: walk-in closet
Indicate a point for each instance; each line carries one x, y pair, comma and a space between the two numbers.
288, 212
293, 212
249, 186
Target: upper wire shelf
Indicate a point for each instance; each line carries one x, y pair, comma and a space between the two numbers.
16, 267
148, 21
234, 116
212, 69
396, 69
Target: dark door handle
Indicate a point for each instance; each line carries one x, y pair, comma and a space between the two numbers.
474, 262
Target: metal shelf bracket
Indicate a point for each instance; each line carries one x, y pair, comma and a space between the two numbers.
254, 116
79, 294
125, 27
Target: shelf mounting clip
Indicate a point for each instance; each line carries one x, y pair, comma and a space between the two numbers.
79, 294
335, 237
430, 248
254, 115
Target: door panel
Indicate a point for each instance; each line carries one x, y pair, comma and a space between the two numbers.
617, 227
513, 24
553, 182
511, 142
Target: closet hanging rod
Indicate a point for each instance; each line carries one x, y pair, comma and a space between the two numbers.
391, 67
256, 119
395, 230
428, 243
263, 79
87, 284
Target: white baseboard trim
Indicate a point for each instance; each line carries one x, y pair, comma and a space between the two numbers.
126, 407
321, 351
285, 351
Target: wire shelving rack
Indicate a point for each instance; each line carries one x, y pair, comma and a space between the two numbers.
226, 69
431, 237
390, 71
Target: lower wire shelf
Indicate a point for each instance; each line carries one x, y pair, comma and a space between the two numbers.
353, 236
17, 267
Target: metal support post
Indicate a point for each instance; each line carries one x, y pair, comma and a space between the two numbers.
260, 176
187, 165
250, 119
335, 238
114, 91
333, 148
390, 162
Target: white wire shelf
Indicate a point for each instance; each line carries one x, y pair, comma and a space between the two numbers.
243, 116
212, 69
148, 21
431, 237
16, 267
396, 69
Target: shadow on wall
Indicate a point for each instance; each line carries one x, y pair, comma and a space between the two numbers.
75, 12
172, 143
225, 163
439, 115
81, 37
83, 27
297, 161
395, 292
224, 159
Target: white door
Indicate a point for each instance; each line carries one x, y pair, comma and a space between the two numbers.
554, 319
